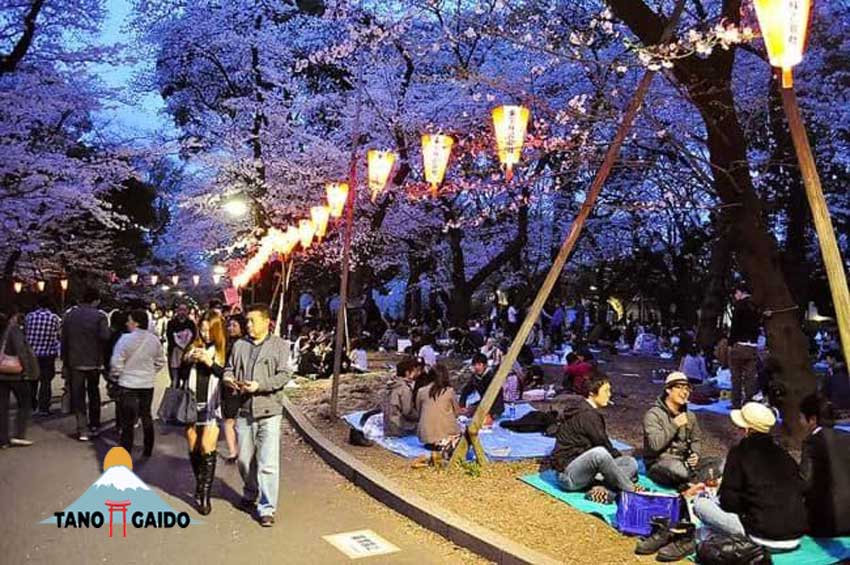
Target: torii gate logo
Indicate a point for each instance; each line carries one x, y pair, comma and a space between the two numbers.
122, 498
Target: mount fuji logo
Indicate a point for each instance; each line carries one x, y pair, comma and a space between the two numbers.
119, 497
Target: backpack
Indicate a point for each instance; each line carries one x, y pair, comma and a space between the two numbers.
721, 549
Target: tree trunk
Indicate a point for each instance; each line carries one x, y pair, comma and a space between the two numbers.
708, 330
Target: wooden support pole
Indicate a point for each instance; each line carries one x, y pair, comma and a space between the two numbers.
560, 260
820, 214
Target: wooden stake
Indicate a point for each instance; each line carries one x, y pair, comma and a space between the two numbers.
557, 266
820, 214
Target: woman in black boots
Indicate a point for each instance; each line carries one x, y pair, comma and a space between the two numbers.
206, 359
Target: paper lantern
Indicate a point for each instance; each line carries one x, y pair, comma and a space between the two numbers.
509, 124
154, 279
306, 229
19, 286
436, 150
216, 278
784, 24
290, 239
337, 197
380, 165
40, 285
134, 278
320, 216
196, 280
175, 279
63, 283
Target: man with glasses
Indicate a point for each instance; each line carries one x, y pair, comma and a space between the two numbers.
672, 438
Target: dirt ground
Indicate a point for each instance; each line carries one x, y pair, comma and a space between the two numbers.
496, 499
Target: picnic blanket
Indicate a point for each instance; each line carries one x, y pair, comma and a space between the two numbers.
723, 407
499, 444
843, 427
812, 551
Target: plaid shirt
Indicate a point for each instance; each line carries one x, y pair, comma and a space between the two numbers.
43, 332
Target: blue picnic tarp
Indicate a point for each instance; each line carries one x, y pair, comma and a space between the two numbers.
499, 444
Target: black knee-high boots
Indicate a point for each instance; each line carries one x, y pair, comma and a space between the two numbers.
203, 465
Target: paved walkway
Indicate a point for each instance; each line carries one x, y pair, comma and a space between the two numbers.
37, 481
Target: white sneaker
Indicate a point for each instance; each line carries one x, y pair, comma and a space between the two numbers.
83, 437
20, 442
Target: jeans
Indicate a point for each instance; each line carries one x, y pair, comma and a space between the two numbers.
618, 474
742, 363
259, 460
42, 390
717, 519
23, 395
135, 404
85, 383
672, 471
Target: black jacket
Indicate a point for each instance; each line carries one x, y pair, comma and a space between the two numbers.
479, 385
581, 428
825, 468
746, 321
762, 485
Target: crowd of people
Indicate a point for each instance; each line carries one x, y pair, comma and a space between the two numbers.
234, 367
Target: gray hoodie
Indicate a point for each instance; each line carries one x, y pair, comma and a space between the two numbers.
662, 438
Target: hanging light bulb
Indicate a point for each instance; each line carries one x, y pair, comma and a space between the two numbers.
509, 124
380, 165
175, 279
784, 24
154, 279
40, 285
134, 278
306, 229
196, 280
337, 197
63, 283
320, 216
19, 286
436, 150
216, 278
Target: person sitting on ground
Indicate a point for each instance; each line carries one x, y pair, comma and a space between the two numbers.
576, 373
836, 387
427, 352
438, 409
389, 341
825, 468
583, 450
479, 381
672, 440
761, 491
693, 365
400, 417
491, 352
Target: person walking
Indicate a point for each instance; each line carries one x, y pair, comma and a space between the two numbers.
43, 331
18, 368
136, 361
257, 368
85, 332
205, 359
180, 332
230, 399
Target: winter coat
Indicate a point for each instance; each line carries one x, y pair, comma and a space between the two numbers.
582, 427
825, 468
399, 411
437, 417
16, 344
662, 438
762, 485
85, 333
270, 371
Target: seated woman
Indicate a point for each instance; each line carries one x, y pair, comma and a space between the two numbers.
438, 410
583, 449
761, 493
693, 365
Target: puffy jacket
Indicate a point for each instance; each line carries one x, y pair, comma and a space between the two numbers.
582, 427
400, 417
663, 438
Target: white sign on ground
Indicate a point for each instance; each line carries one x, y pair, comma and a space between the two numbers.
362, 543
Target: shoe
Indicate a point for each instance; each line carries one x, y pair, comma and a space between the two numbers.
267, 521
684, 543
20, 442
208, 462
83, 437
658, 537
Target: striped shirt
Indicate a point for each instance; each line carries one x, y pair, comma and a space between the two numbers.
43, 329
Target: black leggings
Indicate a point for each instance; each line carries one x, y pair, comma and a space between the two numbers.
135, 404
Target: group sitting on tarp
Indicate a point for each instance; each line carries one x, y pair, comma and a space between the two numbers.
760, 494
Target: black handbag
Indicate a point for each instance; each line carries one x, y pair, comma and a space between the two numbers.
178, 406
720, 549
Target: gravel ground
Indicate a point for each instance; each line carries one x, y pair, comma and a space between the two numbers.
496, 499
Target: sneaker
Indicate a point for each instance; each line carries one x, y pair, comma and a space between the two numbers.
19, 442
83, 437
684, 543
658, 537
267, 521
